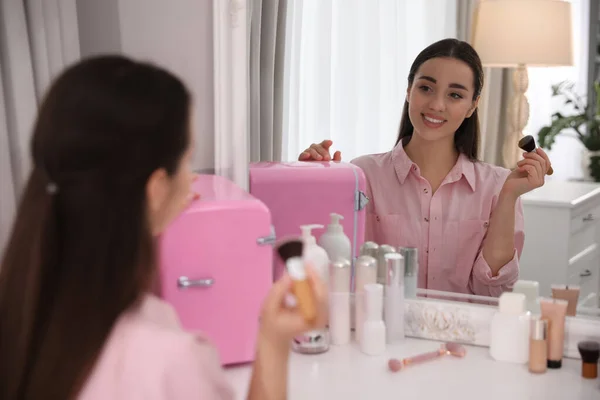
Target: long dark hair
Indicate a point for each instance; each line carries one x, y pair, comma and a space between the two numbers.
466, 138
81, 251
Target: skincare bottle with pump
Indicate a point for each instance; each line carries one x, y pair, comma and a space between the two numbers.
313, 254
334, 241
510, 329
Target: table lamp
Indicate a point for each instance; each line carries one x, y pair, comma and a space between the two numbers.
522, 33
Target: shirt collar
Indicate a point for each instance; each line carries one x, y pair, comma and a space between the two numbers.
404, 165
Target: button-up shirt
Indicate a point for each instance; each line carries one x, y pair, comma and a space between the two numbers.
148, 356
447, 227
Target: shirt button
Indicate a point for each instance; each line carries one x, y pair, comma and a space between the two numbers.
426, 219
486, 224
377, 218
414, 168
425, 191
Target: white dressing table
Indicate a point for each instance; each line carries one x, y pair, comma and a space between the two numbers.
347, 374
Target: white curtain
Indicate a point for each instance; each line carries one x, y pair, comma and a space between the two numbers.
37, 39
267, 41
346, 69
566, 151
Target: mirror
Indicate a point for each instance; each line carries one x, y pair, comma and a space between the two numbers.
342, 75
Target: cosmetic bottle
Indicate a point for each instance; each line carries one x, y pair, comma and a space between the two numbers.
313, 253
538, 346
372, 340
509, 330
335, 242
570, 293
381, 265
301, 288
312, 342
366, 273
531, 290
369, 249
411, 271
339, 302
555, 312
394, 298
590, 353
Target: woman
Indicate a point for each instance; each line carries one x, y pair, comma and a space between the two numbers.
430, 192
111, 168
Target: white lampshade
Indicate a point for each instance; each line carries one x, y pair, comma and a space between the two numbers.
527, 32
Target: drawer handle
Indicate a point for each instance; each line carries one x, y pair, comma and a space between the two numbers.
588, 218
184, 282
585, 273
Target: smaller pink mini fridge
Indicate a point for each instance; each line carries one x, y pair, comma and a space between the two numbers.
299, 193
216, 266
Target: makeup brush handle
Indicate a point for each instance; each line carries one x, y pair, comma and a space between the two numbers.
550, 171
423, 357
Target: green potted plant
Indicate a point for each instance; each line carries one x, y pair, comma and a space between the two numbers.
584, 124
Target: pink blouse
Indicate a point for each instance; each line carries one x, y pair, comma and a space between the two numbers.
149, 357
447, 227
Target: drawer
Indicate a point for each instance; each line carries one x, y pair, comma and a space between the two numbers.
584, 271
582, 238
582, 218
583, 229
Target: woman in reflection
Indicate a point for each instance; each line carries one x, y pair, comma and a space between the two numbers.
431, 192
111, 168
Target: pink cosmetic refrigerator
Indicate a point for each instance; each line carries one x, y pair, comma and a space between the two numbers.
301, 193
216, 266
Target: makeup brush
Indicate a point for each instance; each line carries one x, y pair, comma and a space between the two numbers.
447, 349
527, 144
290, 248
290, 251
590, 353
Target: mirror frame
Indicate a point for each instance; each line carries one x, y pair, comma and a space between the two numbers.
426, 318
231, 89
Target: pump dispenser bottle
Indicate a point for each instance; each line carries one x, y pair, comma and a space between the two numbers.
335, 242
313, 254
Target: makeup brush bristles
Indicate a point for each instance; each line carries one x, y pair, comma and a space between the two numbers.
290, 248
527, 143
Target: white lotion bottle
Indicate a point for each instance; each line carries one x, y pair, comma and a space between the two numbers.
372, 339
394, 297
334, 241
510, 328
313, 254
339, 301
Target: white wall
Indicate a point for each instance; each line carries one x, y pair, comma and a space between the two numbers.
177, 34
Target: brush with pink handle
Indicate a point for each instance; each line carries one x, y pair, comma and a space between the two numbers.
447, 349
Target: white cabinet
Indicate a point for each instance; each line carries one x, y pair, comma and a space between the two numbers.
562, 238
